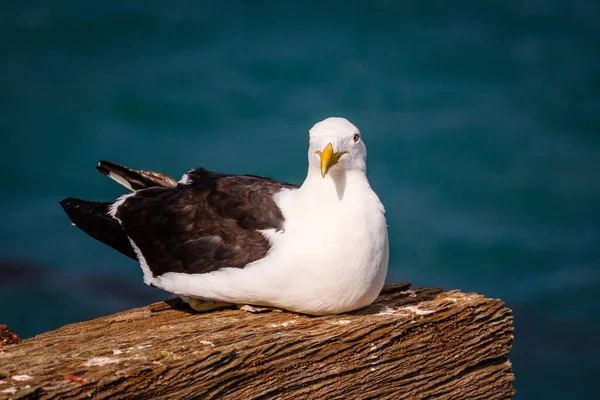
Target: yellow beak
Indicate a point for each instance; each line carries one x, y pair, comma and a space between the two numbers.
329, 158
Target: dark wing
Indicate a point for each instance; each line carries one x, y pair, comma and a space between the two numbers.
93, 218
211, 222
134, 179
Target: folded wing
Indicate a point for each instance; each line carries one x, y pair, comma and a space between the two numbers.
212, 221
134, 179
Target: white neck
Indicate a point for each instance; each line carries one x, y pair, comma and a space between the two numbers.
336, 185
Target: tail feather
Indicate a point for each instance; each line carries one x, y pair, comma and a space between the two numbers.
93, 218
134, 179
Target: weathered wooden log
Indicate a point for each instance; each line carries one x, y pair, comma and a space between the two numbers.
410, 344
8, 337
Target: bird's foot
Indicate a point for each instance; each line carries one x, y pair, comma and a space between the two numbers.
257, 310
202, 306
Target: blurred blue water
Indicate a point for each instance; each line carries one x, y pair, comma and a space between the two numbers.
482, 121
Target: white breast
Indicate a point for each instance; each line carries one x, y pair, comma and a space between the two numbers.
331, 257
334, 251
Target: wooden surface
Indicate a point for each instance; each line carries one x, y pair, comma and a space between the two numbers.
7, 337
410, 344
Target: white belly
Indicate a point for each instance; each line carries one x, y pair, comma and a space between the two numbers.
331, 258
333, 267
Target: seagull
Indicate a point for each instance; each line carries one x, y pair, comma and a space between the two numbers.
220, 240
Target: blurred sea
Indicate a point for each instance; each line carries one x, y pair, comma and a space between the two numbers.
482, 121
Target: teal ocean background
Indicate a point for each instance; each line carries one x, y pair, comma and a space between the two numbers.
482, 121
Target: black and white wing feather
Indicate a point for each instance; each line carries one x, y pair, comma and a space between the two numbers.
93, 217
211, 221
134, 179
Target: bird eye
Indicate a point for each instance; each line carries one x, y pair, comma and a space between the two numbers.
356, 137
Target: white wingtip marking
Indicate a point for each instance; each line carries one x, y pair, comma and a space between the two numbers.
185, 179
120, 180
112, 210
145, 268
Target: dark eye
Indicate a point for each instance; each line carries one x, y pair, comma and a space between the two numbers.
356, 137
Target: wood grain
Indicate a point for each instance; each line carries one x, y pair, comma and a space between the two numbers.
409, 344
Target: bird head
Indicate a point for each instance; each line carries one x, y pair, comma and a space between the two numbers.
336, 143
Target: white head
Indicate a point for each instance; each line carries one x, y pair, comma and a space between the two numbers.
336, 143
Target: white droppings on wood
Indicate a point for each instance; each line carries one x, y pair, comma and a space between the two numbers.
117, 352
410, 293
402, 310
101, 361
21, 378
386, 311
373, 369
10, 390
208, 343
144, 346
373, 348
2, 382
455, 296
417, 310
283, 324
341, 322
